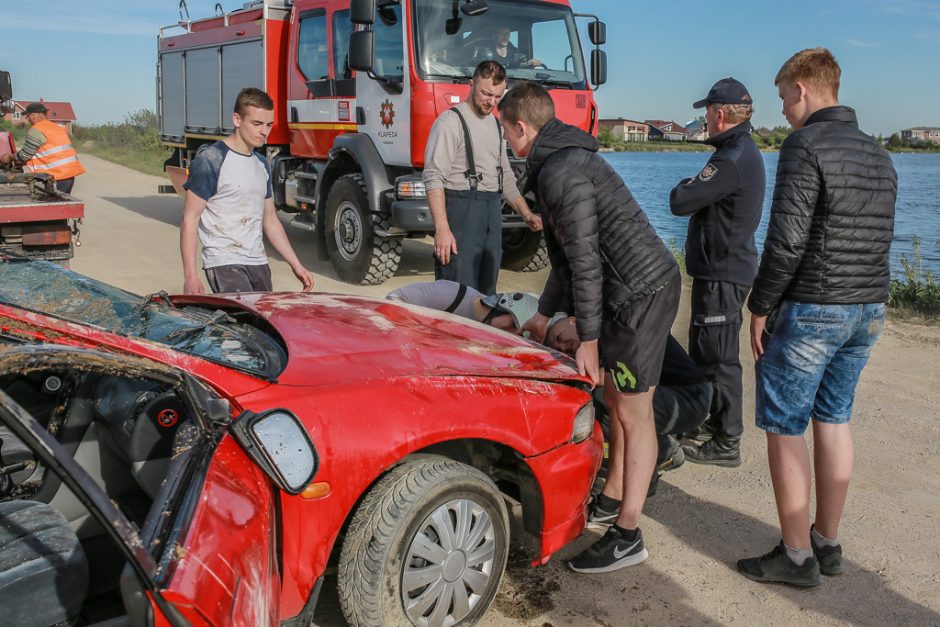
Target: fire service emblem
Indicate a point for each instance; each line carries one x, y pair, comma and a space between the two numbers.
387, 114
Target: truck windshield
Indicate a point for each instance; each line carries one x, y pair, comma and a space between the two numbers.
536, 41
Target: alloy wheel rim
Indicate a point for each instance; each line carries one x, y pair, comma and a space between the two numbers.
449, 564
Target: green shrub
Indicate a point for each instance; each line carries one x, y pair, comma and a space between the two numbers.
134, 143
917, 292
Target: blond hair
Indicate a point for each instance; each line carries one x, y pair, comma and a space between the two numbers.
734, 113
814, 67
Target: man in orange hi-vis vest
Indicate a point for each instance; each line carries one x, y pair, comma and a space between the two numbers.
48, 150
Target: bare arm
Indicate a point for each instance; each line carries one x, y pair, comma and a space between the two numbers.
274, 231
522, 208
444, 242
193, 207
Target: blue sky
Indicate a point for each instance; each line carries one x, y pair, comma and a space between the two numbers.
100, 55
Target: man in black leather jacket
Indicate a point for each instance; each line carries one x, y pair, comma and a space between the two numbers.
724, 203
817, 308
623, 285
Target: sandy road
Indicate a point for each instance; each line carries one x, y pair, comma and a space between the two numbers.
702, 519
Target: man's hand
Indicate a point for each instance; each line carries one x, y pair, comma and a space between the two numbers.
193, 285
758, 324
304, 276
537, 326
533, 220
444, 244
589, 361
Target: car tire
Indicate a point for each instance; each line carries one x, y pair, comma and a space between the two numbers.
358, 255
523, 251
400, 565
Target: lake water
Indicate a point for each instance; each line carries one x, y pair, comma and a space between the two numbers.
651, 175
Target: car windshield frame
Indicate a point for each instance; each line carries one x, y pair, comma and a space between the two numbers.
52, 290
471, 42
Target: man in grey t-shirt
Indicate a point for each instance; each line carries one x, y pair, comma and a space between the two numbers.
230, 206
467, 182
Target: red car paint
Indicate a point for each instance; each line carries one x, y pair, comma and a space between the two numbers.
373, 382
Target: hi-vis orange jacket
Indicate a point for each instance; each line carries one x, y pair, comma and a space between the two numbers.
57, 156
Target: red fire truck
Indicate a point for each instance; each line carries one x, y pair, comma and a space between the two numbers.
36, 220
357, 85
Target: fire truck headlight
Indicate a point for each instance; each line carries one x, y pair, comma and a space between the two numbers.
410, 187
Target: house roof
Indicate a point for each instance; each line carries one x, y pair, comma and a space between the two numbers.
620, 121
58, 111
659, 124
922, 128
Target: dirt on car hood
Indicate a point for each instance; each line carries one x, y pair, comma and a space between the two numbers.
334, 339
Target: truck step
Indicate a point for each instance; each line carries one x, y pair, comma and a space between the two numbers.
304, 221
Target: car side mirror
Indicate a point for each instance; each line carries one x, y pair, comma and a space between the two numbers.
6, 86
362, 50
362, 11
278, 442
598, 67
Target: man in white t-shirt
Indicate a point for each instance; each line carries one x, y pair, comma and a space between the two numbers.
230, 207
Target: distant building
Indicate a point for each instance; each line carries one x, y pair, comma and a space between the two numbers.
666, 130
922, 133
626, 130
696, 131
59, 112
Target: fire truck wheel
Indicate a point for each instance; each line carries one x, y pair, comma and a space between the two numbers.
359, 256
427, 546
524, 251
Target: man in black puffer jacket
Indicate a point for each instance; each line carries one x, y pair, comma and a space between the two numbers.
817, 309
724, 203
615, 273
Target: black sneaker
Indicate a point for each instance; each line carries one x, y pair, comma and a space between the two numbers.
777, 567
829, 557
721, 450
673, 457
612, 552
599, 519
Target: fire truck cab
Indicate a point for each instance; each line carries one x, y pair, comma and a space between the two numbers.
357, 85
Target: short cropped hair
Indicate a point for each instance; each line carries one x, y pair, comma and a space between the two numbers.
816, 67
252, 97
490, 69
734, 113
528, 102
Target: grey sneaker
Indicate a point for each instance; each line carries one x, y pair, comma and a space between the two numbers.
599, 519
777, 567
612, 552
829, 557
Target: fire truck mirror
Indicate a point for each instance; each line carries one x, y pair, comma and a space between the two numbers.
362, 11
6, 86
597, 33
362, 50
598, 67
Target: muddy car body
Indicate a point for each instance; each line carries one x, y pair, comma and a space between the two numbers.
423, 423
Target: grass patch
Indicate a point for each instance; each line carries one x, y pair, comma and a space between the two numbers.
133, 143
917, 294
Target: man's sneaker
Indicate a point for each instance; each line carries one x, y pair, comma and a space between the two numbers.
599, 519
777, 567
721, 450
610, 553
673, 457
829, 557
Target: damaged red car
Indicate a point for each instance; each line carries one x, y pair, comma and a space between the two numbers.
203, 459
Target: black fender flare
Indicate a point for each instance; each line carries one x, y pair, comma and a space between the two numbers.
353, 152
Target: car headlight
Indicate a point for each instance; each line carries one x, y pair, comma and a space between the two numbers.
410, 187
583, 424
278, 442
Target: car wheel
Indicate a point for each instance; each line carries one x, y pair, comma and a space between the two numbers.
359, 256
427, 547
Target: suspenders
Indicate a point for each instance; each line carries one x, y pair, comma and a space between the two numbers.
474, 178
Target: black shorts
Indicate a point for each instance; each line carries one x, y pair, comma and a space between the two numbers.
238, 278
633, 339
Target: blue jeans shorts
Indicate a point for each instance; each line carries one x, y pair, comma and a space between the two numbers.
813, 356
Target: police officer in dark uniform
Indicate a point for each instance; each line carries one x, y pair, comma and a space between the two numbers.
724, 203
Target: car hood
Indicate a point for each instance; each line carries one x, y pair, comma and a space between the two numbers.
338, 339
